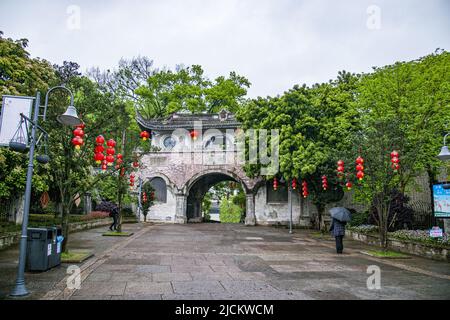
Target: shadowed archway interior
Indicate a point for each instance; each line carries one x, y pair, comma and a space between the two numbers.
198, 190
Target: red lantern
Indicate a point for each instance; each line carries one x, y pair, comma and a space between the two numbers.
305, 192
119, 156
99, 149
145, 135
194, 135
294, 184
110, 151
152, 196
111, 143
144, 197
360, 175
340, 163
324, 182
119, 161
78, 132
395, 160
104, 165
135, 164
360, 160
109, 159
77, 142
340, 169
99, 157
349, 185
275, 184
100, 140
359, 167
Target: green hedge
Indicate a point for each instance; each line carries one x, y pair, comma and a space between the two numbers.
230, 212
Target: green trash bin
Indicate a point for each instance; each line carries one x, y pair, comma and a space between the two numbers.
55, 257
39, 248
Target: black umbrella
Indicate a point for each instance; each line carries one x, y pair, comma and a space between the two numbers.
340, 213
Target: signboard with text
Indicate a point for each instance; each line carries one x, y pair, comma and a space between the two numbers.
441, 198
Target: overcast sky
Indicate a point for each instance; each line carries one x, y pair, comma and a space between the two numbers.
275, 44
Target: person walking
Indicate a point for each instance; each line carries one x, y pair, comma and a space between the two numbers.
338, 230
114, 213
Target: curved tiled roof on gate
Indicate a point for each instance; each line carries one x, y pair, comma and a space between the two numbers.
222, 120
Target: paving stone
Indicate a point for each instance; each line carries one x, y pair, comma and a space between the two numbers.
147, 287
152, 269
198, 286
96, 288
171, 276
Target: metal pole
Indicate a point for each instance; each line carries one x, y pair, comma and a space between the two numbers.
20, 288
290, 208
139, 199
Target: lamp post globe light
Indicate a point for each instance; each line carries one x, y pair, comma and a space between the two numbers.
444, 155
69, 118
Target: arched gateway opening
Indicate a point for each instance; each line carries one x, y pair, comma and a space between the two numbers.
198, 189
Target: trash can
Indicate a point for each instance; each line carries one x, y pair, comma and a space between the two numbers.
55, 257
39, 248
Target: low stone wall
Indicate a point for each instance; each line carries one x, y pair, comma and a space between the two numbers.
405, 246
13, 238
7, 240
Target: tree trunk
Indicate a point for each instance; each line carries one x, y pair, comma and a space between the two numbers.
431, 180
320, 211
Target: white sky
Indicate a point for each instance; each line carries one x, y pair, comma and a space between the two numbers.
275, 44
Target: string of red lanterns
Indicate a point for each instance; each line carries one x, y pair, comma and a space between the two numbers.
78, 133
324, 182
395, 160
275, 184
294, 184
305, 192
359, 168
145, 135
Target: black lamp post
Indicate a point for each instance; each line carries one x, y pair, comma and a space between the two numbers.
69, 118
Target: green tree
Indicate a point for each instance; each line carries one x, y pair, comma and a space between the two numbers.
404, 107
229, 212
313, 123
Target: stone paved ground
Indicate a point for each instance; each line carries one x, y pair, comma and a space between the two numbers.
224, 261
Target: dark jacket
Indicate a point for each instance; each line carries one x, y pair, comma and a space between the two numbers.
338, 228
114, 212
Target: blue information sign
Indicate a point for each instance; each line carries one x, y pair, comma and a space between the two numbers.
441, 198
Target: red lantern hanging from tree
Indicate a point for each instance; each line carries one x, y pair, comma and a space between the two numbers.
131, 180
305, 192
294, 183
324, 182
136, 164
99, 157
78, 132
194, 134
100, 140
144, 197
109, 159
349, 185
111, 143
104, 165
340, 169
77, 142
275, 184
110, 151
99, 149
145, 135
360, 168
395, 161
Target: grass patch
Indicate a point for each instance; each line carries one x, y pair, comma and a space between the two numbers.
387, 254
117, 234
75, 256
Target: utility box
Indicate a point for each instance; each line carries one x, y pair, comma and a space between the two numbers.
55, 256
39, 248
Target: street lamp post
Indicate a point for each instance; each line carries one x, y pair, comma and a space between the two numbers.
290, 208
68, 118
444, 155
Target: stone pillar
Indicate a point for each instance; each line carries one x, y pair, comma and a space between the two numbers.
250, 219
180, 210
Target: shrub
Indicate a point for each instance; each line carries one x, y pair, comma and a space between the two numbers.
95, 215
229, 212
364, 228
422, 236
359, 218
